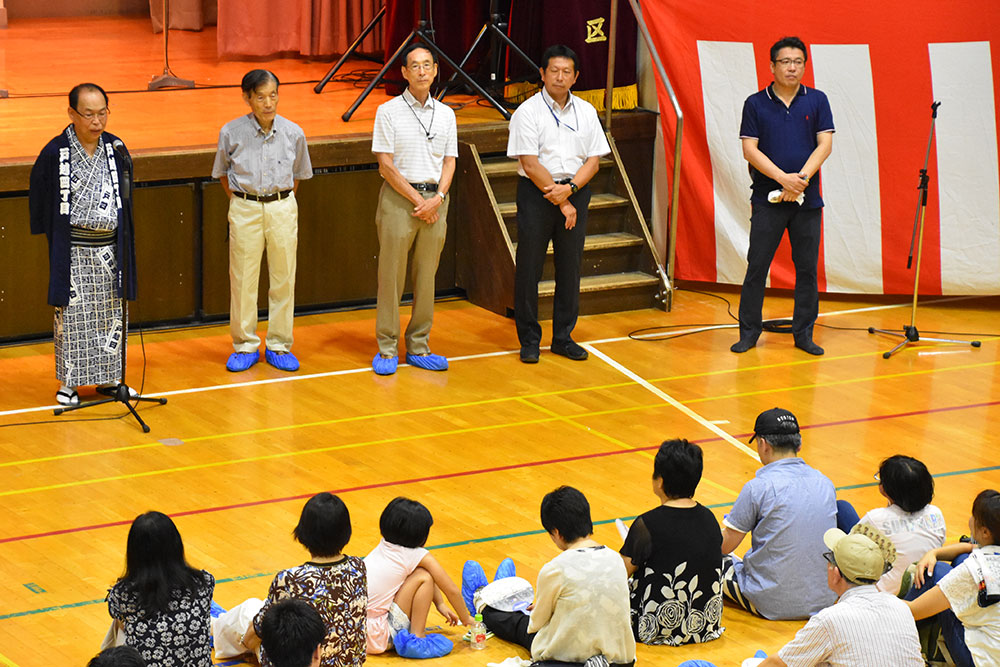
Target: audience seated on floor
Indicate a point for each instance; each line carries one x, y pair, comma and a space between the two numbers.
332, 582
161, 605
117, 656
909, 520
292, 634
404, 579
964, 597
581, 607
786, 507
673, 556
866, 626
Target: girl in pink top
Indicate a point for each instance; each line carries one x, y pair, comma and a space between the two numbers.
403, 580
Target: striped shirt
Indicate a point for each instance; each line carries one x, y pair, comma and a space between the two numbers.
561, 139
418, 136
866, 628
261, 163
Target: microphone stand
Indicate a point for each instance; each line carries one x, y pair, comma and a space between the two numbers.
910, 334
122, 394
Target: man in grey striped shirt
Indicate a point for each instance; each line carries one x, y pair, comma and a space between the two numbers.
415, 141
261, 159
866, 627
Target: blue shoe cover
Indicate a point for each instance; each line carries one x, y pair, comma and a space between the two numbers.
383, 366
432, 646
216, 610
430, 362
696, 663
505, 569
282, 361
760, 654
473, 578
241, 361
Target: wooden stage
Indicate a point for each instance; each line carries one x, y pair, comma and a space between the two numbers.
233, 457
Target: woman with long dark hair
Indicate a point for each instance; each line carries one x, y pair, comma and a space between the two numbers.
162, 603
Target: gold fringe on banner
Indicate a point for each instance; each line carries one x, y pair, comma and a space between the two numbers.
622, 97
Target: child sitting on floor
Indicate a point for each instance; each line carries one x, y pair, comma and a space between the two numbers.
332, 582
909, 520
965, 596
403, 580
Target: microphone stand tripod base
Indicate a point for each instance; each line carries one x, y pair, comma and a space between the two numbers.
911, 335
122, 395
169, 80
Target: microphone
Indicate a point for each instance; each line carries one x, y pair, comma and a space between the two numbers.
127, 171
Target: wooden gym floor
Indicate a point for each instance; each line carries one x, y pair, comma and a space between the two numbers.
233, 457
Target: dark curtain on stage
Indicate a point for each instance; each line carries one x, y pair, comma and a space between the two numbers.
306, 27
585, 27
455, 22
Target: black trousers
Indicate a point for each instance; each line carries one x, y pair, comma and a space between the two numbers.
768, 223
539, 222
510, 626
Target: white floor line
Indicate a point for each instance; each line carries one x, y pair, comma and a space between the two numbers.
500, 353
672, 401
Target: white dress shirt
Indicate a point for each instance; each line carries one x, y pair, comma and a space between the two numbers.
562, 139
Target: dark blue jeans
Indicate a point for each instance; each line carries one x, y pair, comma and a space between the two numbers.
951, 628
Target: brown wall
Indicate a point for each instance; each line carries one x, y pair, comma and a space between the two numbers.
27, 9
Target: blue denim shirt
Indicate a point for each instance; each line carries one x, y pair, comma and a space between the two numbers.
786, 508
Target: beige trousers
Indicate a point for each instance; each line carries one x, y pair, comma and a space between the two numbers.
398, 231
252, 227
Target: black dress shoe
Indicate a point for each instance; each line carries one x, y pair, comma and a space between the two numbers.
809, 346
742, 345
529, 354
570, 350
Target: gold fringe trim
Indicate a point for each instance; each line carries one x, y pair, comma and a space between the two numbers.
622, 97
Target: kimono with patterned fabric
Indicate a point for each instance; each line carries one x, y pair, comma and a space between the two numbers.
72, 192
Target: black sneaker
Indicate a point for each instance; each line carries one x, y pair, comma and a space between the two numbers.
570, 350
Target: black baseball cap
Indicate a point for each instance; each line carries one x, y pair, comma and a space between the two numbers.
775, 421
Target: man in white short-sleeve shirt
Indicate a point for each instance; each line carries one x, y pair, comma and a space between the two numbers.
416, 142
557, 140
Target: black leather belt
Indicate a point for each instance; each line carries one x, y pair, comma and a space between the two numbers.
425, 187
274, 196
565, 181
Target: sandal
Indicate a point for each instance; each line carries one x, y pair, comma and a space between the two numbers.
67, 397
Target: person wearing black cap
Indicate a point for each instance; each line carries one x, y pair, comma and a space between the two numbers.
866, 626
786, 507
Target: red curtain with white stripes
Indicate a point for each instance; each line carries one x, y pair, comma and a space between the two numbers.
881, 64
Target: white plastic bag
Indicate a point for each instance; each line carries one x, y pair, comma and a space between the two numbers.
228, 628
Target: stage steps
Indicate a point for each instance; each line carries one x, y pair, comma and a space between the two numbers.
619, 268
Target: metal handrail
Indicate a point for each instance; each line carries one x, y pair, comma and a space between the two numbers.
658, 63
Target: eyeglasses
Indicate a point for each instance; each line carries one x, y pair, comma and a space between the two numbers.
416, 67
877, 479
785, 62
90, 115
828, 555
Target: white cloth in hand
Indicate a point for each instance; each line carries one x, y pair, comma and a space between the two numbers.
774, 196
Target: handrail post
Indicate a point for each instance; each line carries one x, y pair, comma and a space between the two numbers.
675, 188
612, 42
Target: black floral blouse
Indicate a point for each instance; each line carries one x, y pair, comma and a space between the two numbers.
181, 636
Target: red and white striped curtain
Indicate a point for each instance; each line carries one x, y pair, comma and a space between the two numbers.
881, 64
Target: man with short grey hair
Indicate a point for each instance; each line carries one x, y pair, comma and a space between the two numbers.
786, 507
866, 626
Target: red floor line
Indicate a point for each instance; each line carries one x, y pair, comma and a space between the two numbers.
481, 471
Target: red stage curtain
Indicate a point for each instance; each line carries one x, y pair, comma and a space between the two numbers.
184, 14
307, 27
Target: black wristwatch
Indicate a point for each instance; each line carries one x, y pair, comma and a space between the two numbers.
574, 187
